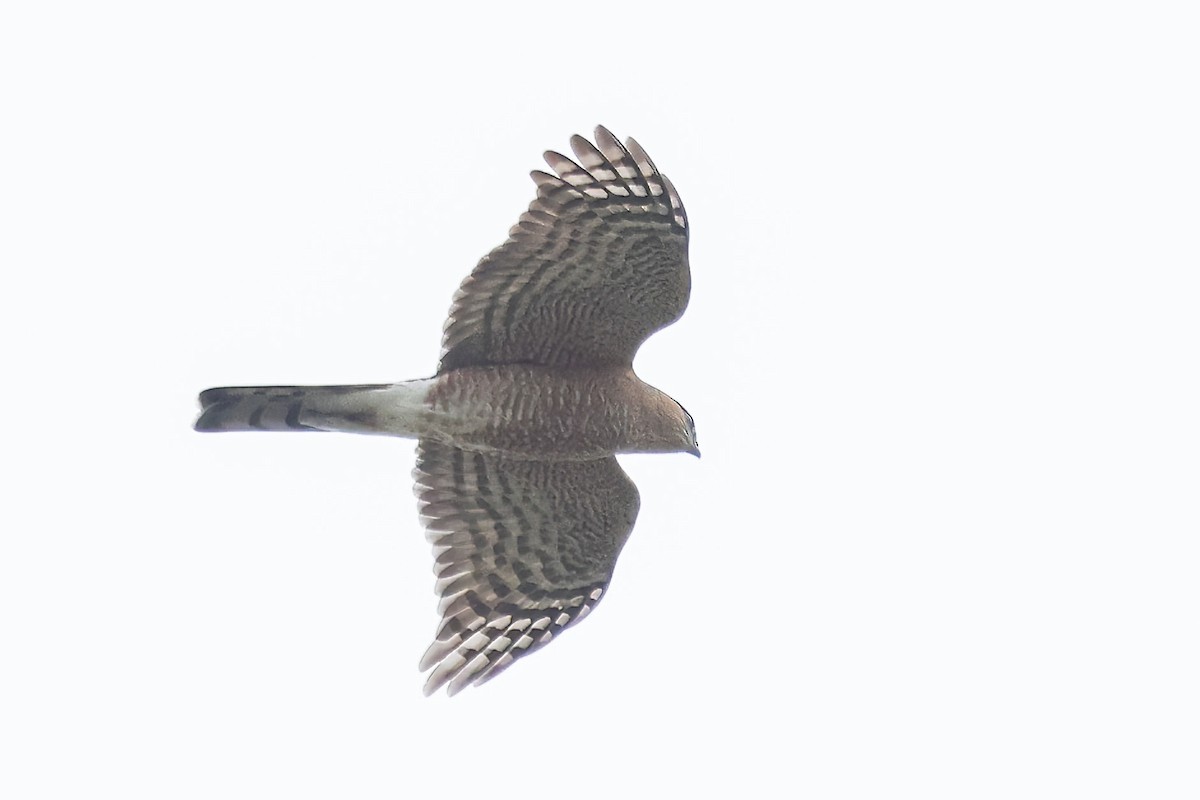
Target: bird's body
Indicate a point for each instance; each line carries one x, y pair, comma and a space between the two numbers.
520, 411
516, 477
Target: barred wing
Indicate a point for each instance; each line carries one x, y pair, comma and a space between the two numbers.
523, 549
596, 265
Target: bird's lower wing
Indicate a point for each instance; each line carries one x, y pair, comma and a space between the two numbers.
522, 550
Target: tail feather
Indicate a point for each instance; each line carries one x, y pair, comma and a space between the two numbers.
291, 408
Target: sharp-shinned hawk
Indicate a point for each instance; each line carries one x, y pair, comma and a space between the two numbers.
516, 476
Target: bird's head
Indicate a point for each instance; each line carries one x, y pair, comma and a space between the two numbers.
688, 432
661, 425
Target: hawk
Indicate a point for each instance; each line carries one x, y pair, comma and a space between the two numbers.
516, 477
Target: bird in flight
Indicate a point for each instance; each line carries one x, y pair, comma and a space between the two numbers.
516, 477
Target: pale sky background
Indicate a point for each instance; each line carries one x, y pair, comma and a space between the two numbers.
941, 351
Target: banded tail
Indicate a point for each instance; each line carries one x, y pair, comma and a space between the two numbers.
366, 408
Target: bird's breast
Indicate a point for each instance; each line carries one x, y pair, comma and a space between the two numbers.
528, 411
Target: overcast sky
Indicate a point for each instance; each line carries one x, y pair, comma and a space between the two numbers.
941, 353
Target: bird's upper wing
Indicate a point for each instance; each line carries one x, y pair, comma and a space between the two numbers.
596, 265
523, 549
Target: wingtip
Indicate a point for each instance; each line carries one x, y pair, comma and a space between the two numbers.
640, 155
